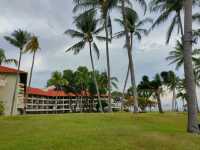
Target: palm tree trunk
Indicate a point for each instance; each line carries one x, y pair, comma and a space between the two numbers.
173, 100
128, 44
29, 83
159, 102
188, 70
108, 65
16, 83
124, 89
95, 80
128, 69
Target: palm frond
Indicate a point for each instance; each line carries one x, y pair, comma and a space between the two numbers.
74, 33
77, 47
102, 38
171, 28
9, 61
96, 49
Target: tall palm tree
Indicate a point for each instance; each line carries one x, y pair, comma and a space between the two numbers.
18, 38
31, 46
171, 81
136, 29
188, 69
87, 27
4, 59
129, 50
105, 6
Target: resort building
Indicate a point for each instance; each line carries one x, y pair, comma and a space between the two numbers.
40, 100
51, 101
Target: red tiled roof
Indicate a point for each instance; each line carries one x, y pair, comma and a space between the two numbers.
4, 69
41, 92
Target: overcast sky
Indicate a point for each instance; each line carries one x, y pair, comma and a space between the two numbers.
48, 19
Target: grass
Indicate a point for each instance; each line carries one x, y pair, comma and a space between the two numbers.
117, 131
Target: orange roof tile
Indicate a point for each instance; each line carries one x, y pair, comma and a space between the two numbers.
4, 69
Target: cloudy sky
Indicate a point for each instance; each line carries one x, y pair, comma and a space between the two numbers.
48, 19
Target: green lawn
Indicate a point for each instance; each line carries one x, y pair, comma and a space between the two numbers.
117, 131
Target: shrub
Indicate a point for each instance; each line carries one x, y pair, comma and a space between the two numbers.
1, 108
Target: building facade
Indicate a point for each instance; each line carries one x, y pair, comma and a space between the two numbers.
41, 101
8, 78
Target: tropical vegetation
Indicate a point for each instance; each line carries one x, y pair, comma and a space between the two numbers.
93, 23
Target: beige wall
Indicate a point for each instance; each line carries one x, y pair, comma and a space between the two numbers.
6, 93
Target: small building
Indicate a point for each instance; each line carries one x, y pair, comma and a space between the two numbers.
8, 78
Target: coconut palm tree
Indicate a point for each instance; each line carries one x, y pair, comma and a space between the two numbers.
18, 38
87, 27
136, 29
188, 69
31, 46
4, 59
105, 6
171, 81
129, 50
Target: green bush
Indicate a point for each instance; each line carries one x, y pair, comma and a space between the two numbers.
1, 108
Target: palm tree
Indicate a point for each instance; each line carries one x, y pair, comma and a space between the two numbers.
18, 38
188, 69
136, 29
4, 59
58, 81
31, 46
167, 8
171, 81
176, 55
87, 27
82, 76
129, 49
154, 87
105, 6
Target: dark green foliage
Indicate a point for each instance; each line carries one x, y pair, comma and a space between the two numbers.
1, 108
104, 104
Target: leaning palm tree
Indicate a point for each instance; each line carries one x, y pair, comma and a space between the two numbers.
31, 46
87, 27
4, 59
136, 29
105, 6
18, 38
129, 50
188, 69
